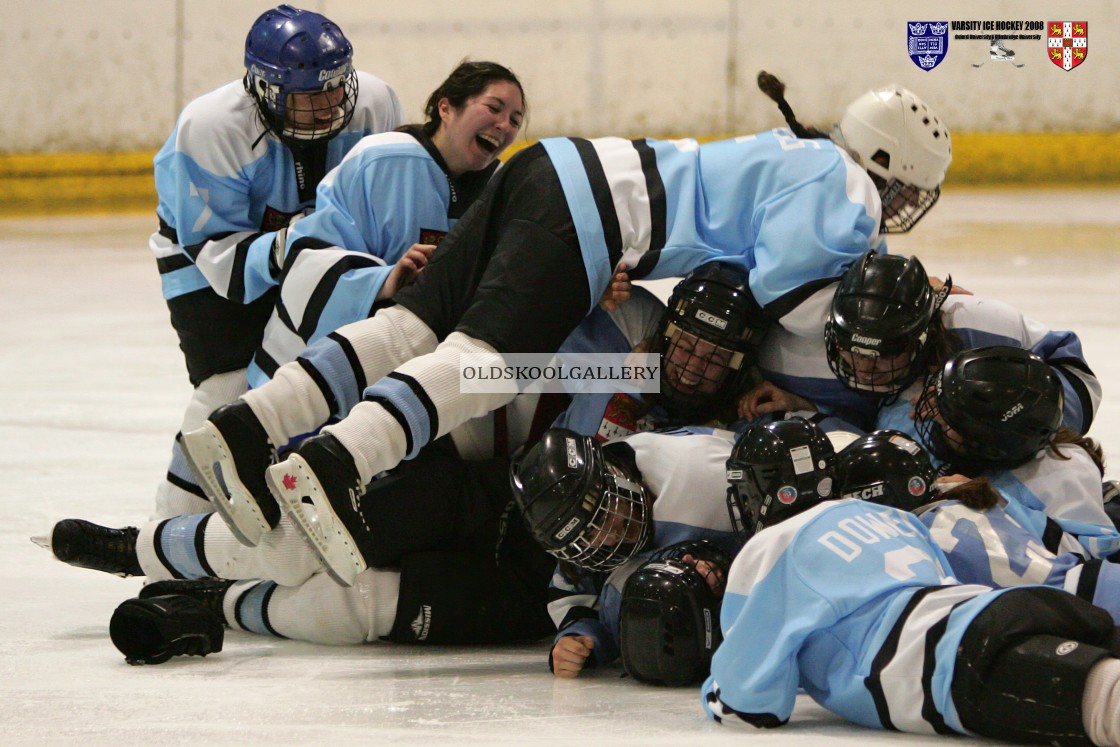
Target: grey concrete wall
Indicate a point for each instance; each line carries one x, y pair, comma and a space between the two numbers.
94, 75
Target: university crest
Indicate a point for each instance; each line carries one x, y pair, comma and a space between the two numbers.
1067, 43
927, 42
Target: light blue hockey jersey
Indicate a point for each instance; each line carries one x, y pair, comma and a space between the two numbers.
684, 471
387, 194
856, 604
991, 548
794, 212
224, 189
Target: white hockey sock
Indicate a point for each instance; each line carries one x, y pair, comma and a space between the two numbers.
1100, 703
219, 389
283, 555
375, 438
342, 615
291, 403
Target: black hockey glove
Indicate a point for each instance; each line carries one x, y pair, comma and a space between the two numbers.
152, 630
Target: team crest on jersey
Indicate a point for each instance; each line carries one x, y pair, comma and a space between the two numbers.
787, 494
431, 236
624, 416
916, 486
1067, 43
927, 42
274, 220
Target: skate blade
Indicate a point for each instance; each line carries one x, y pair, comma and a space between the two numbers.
291, 482
210, 460
43, 541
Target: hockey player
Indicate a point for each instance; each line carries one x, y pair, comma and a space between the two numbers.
995, 412
243, 161
887, 328
855, 603
972, 523
605, 511
389, 203
542, 245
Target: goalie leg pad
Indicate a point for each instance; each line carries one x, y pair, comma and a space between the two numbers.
152, 630
1022, 666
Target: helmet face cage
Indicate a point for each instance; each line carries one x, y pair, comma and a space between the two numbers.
300, 74
886, 467
989, 408
707, 340
904, 205
619, 525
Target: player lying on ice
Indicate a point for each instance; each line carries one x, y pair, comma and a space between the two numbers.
855, 603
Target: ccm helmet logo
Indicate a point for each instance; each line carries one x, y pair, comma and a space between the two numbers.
1012, 412
711, 319
573, 455
572, 524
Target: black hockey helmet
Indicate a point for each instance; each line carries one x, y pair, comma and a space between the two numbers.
881, 312
669, 618
886, 467
707, 338
990, 408
777, 470
582, 502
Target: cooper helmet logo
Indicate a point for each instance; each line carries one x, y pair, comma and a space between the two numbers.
861, 340
329, 74
711, 319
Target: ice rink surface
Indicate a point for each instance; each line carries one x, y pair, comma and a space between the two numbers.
92, 388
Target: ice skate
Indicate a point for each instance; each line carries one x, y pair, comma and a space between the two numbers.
229, 455
84, 544
321, 475
998, 52
210, 592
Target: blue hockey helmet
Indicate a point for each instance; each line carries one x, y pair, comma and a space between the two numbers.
300, 72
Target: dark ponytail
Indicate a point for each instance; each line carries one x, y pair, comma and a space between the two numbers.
776, 90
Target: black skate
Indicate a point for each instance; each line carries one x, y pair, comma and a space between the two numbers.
210, 592
319, 489
229, 455
87, 545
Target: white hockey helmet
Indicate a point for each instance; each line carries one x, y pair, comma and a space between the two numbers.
900, 141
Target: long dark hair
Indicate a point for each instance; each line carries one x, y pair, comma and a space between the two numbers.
776, 90
466, 80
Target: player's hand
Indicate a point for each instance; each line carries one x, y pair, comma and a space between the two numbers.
617, 292
406, 269
937, 284
570, 654
711, 573
765, 398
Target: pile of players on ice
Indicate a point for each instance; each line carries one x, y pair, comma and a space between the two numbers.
855, 481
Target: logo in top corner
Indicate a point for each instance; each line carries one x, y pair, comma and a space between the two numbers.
927, 42
1067, 43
